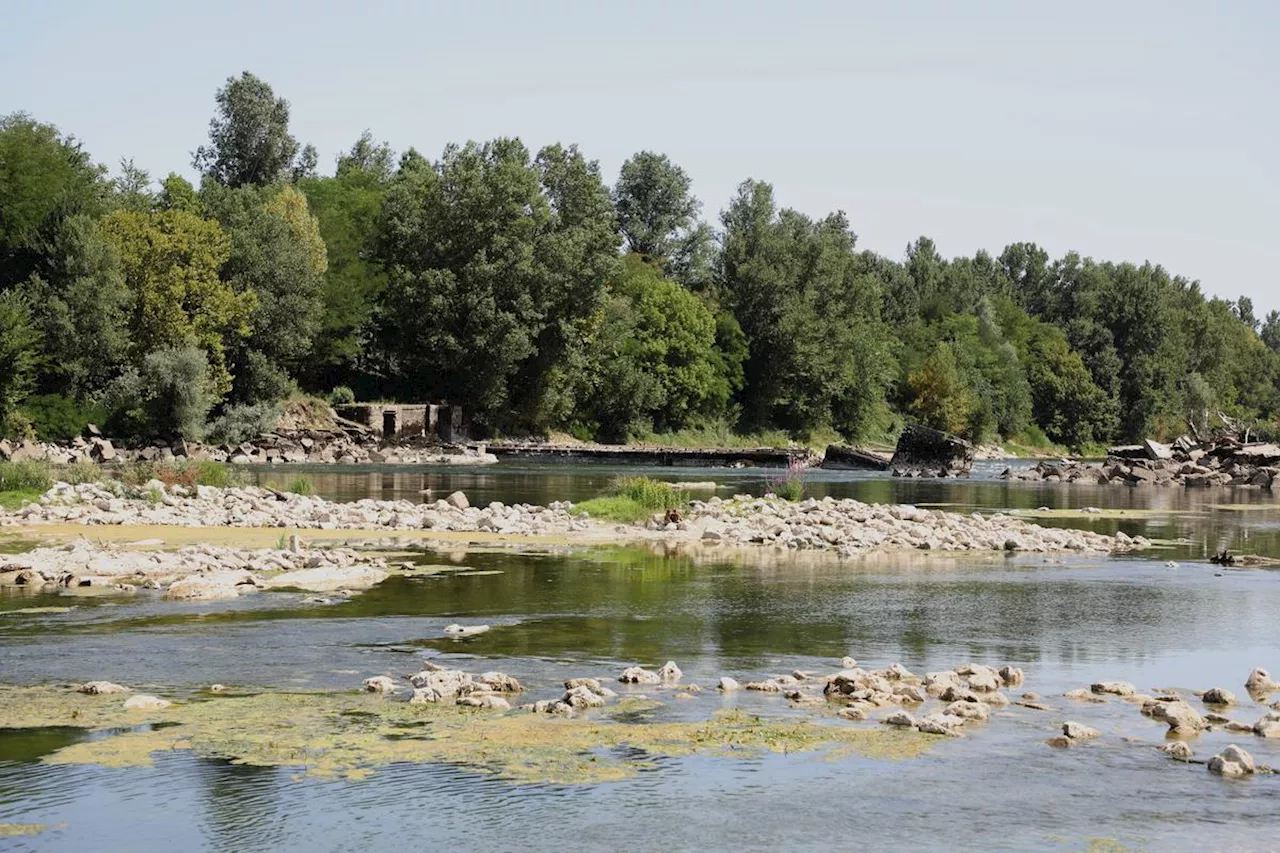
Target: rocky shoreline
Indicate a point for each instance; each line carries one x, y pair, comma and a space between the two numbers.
1184, 463
847, 526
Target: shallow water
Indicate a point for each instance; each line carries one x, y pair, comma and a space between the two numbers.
1066, 621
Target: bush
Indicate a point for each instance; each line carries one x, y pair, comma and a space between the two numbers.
789, 485
238, 424
78, 473
177, 381
633, 499
301, 486
58, 418
24, 476
342, 396
186, 473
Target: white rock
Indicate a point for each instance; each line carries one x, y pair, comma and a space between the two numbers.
143, 702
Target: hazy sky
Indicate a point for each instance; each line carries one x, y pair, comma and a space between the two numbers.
1127, 130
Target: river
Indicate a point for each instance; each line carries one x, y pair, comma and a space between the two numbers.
1163, 619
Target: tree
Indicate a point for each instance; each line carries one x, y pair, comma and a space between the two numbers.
278, 255
132, 188
176, 193
491, 261
810, 310
653, 359
170, 260
45, 178
1271, 331
348, 207
18, 355
941, 398
249, 139
654, 204
80, 304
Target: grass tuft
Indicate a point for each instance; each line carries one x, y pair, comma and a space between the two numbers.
634, 499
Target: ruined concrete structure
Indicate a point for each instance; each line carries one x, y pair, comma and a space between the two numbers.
391, 421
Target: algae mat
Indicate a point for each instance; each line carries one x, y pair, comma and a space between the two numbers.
351, 735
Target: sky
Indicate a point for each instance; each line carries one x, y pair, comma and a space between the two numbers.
1123, 130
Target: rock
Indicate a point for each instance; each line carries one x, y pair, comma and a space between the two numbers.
639, 675
1232, 762
500, 682
1156, 451
211, 587
1178, 749
1260, 681
486, 701
1061, 742
458, 500
217, 688
852, 712
669, 673
1011, 676
1078, 731
379, 684
728, 684
768, 686
968, 711
921, 449
1114, 688
328, 578
1082, 695
581, 697
101, 688
143, 702
1268, 726
941, 724
984, 682
1179, 716
1218, 696
847, 662
465, 630
909, 693
901, 719
440, 685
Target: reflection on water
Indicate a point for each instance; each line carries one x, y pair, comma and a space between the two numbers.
1067, 621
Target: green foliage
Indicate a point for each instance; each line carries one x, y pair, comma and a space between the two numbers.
24, 476
239, 423
249, 140
182, 472
18, 354
634, 499
652, 363
45, 177
58, 418
176, 392
790, 484
171, 262
78, 473
301, 486
342, 396
940, 398
818, 352
657, 214
492, 259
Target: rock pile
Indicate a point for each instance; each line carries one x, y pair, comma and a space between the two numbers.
313, 447
208, 506
851, 527
194, 573
1222, 463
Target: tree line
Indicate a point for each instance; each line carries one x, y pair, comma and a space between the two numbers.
522, 285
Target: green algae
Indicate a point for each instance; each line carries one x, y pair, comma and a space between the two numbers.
34, 611
15, 830
350, 735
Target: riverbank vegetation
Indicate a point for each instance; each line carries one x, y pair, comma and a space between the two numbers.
633, 500
520, 284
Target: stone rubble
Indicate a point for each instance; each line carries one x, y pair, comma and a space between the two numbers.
193, 573
851, 527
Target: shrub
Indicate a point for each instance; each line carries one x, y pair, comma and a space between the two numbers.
177, 392
58, 418
301, 486
186, 473
242, 423
24, 476
790, 484
648, 493
342, 396
79, 472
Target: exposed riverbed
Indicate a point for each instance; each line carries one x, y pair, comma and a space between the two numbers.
1066, 620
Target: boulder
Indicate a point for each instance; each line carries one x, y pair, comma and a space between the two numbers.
1179, 716
458, 500
1078, 731
1232, 762
1178, 749
639, 675
728, 684
486, 701
379, 684
669, 673
1218, 696
465, 630
1156, 451
101, 688
500, 682
1260, 681
581, 697
142, 702
901, 719
1011, 675
941, 724
921, 449
329, 578
841, 458
212, 586
1114, 688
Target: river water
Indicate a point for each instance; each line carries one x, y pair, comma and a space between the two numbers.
1165, 619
